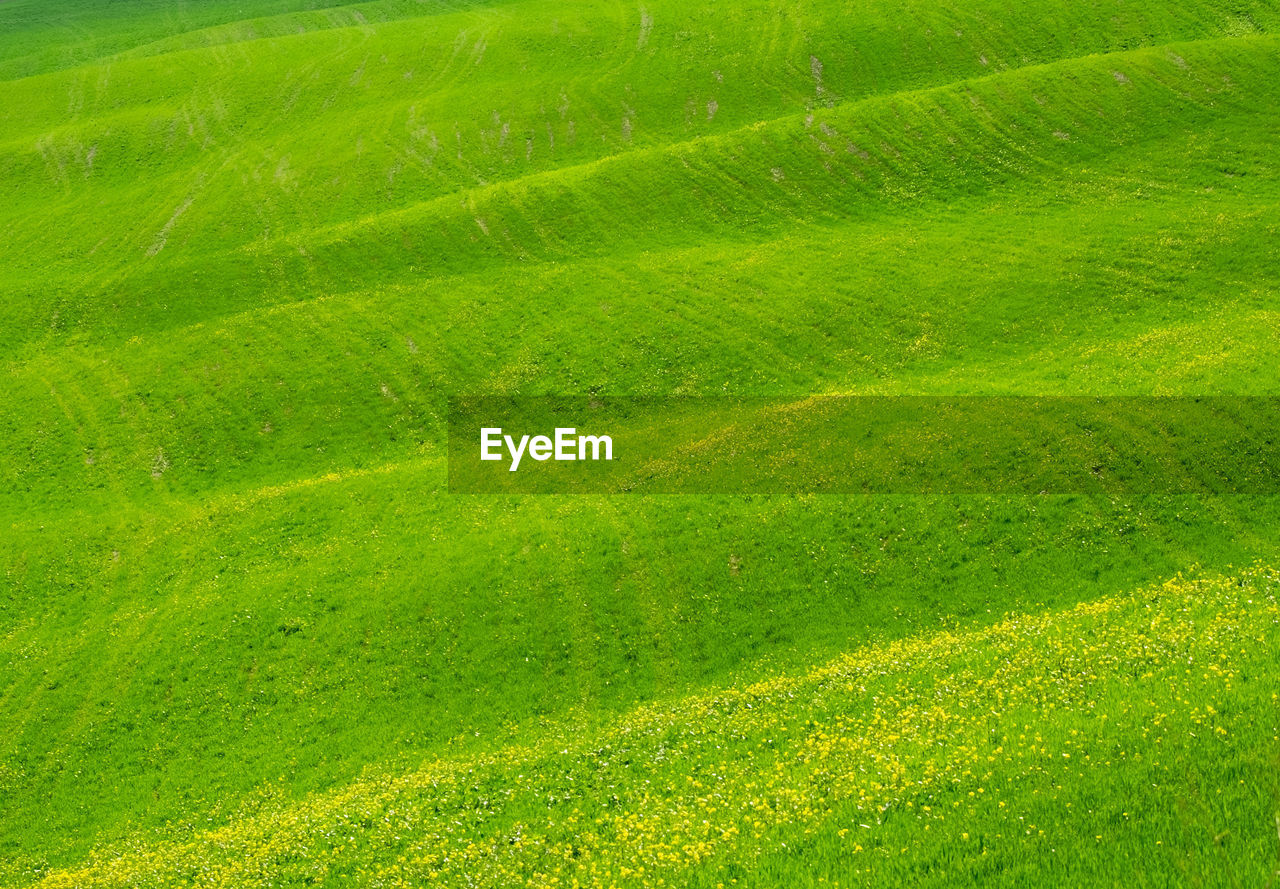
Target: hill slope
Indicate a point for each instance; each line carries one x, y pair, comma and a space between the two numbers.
250, 249
1049, 730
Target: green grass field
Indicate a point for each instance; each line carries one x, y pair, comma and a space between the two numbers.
250, 249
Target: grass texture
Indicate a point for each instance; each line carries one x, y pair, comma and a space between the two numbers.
250, 249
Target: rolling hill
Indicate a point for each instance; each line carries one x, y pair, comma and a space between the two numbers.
251, 249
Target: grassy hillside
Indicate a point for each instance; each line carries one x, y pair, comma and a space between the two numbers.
251, 248
1040, 729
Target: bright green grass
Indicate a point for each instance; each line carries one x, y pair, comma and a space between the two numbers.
250, 248
1071, 736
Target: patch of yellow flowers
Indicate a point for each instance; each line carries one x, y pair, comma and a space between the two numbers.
922, 725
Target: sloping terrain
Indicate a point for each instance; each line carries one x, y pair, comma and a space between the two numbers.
1041, 728
251, 248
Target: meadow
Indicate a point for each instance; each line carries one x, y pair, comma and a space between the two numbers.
250, 251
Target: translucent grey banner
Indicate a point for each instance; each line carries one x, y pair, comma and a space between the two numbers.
864, 445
